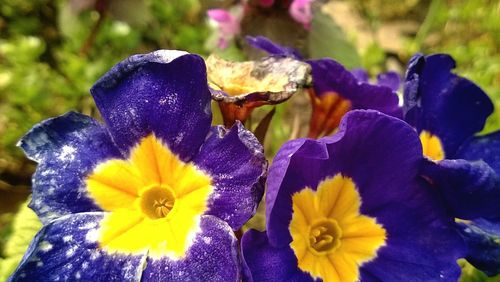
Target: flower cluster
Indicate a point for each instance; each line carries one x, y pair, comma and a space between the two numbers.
155, 193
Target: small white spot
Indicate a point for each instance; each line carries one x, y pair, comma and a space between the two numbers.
94, 255
67, 153
179, 138
207, 240
39, 263
163, 101
85, 265
45, 246
78, 275
71, 251
67, 238
89, 225
92, 235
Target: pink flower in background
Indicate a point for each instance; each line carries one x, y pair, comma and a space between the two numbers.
227, 23
300, 10
266, 3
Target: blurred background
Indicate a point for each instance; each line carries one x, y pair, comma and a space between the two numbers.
52, 51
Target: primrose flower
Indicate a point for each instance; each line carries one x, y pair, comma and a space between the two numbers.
352, 207
447, 111
154, 193
335, 90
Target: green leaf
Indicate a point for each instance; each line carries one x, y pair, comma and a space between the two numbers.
327, 39
472, 274
24, 227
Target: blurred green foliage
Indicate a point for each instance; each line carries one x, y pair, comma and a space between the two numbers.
24, 227
52, 51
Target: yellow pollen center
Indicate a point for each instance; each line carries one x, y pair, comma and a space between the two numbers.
324, 236
157, 202
331, 239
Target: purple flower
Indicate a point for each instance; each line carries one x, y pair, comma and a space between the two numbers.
335, 90
352, 207
154, 193
448, 111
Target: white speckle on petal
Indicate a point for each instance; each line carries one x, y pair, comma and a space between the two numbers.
89, 225
207, 240
71, 251
67, 153
45, 246
95, 255
92, 236
67, 238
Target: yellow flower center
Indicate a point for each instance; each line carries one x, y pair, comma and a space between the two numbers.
154, 201
432, 147
157, 202
330, 237
324, 236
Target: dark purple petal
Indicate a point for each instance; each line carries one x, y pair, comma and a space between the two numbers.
443, 103
66, 250
330, 76
361, 75
483, 251
67, 148
263, 262
235, 161
469, 189
422, 242
490, 225
266, 45
212, 257
390, 79
165, 93
485, 148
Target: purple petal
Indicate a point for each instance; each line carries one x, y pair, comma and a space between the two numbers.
470, 189
67, 148
361, 75
330, 76
266, 45
235, 161
212, 257
483, 251
165, 93
485, 148
66, 250
447, 105
263, 262
390, 79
